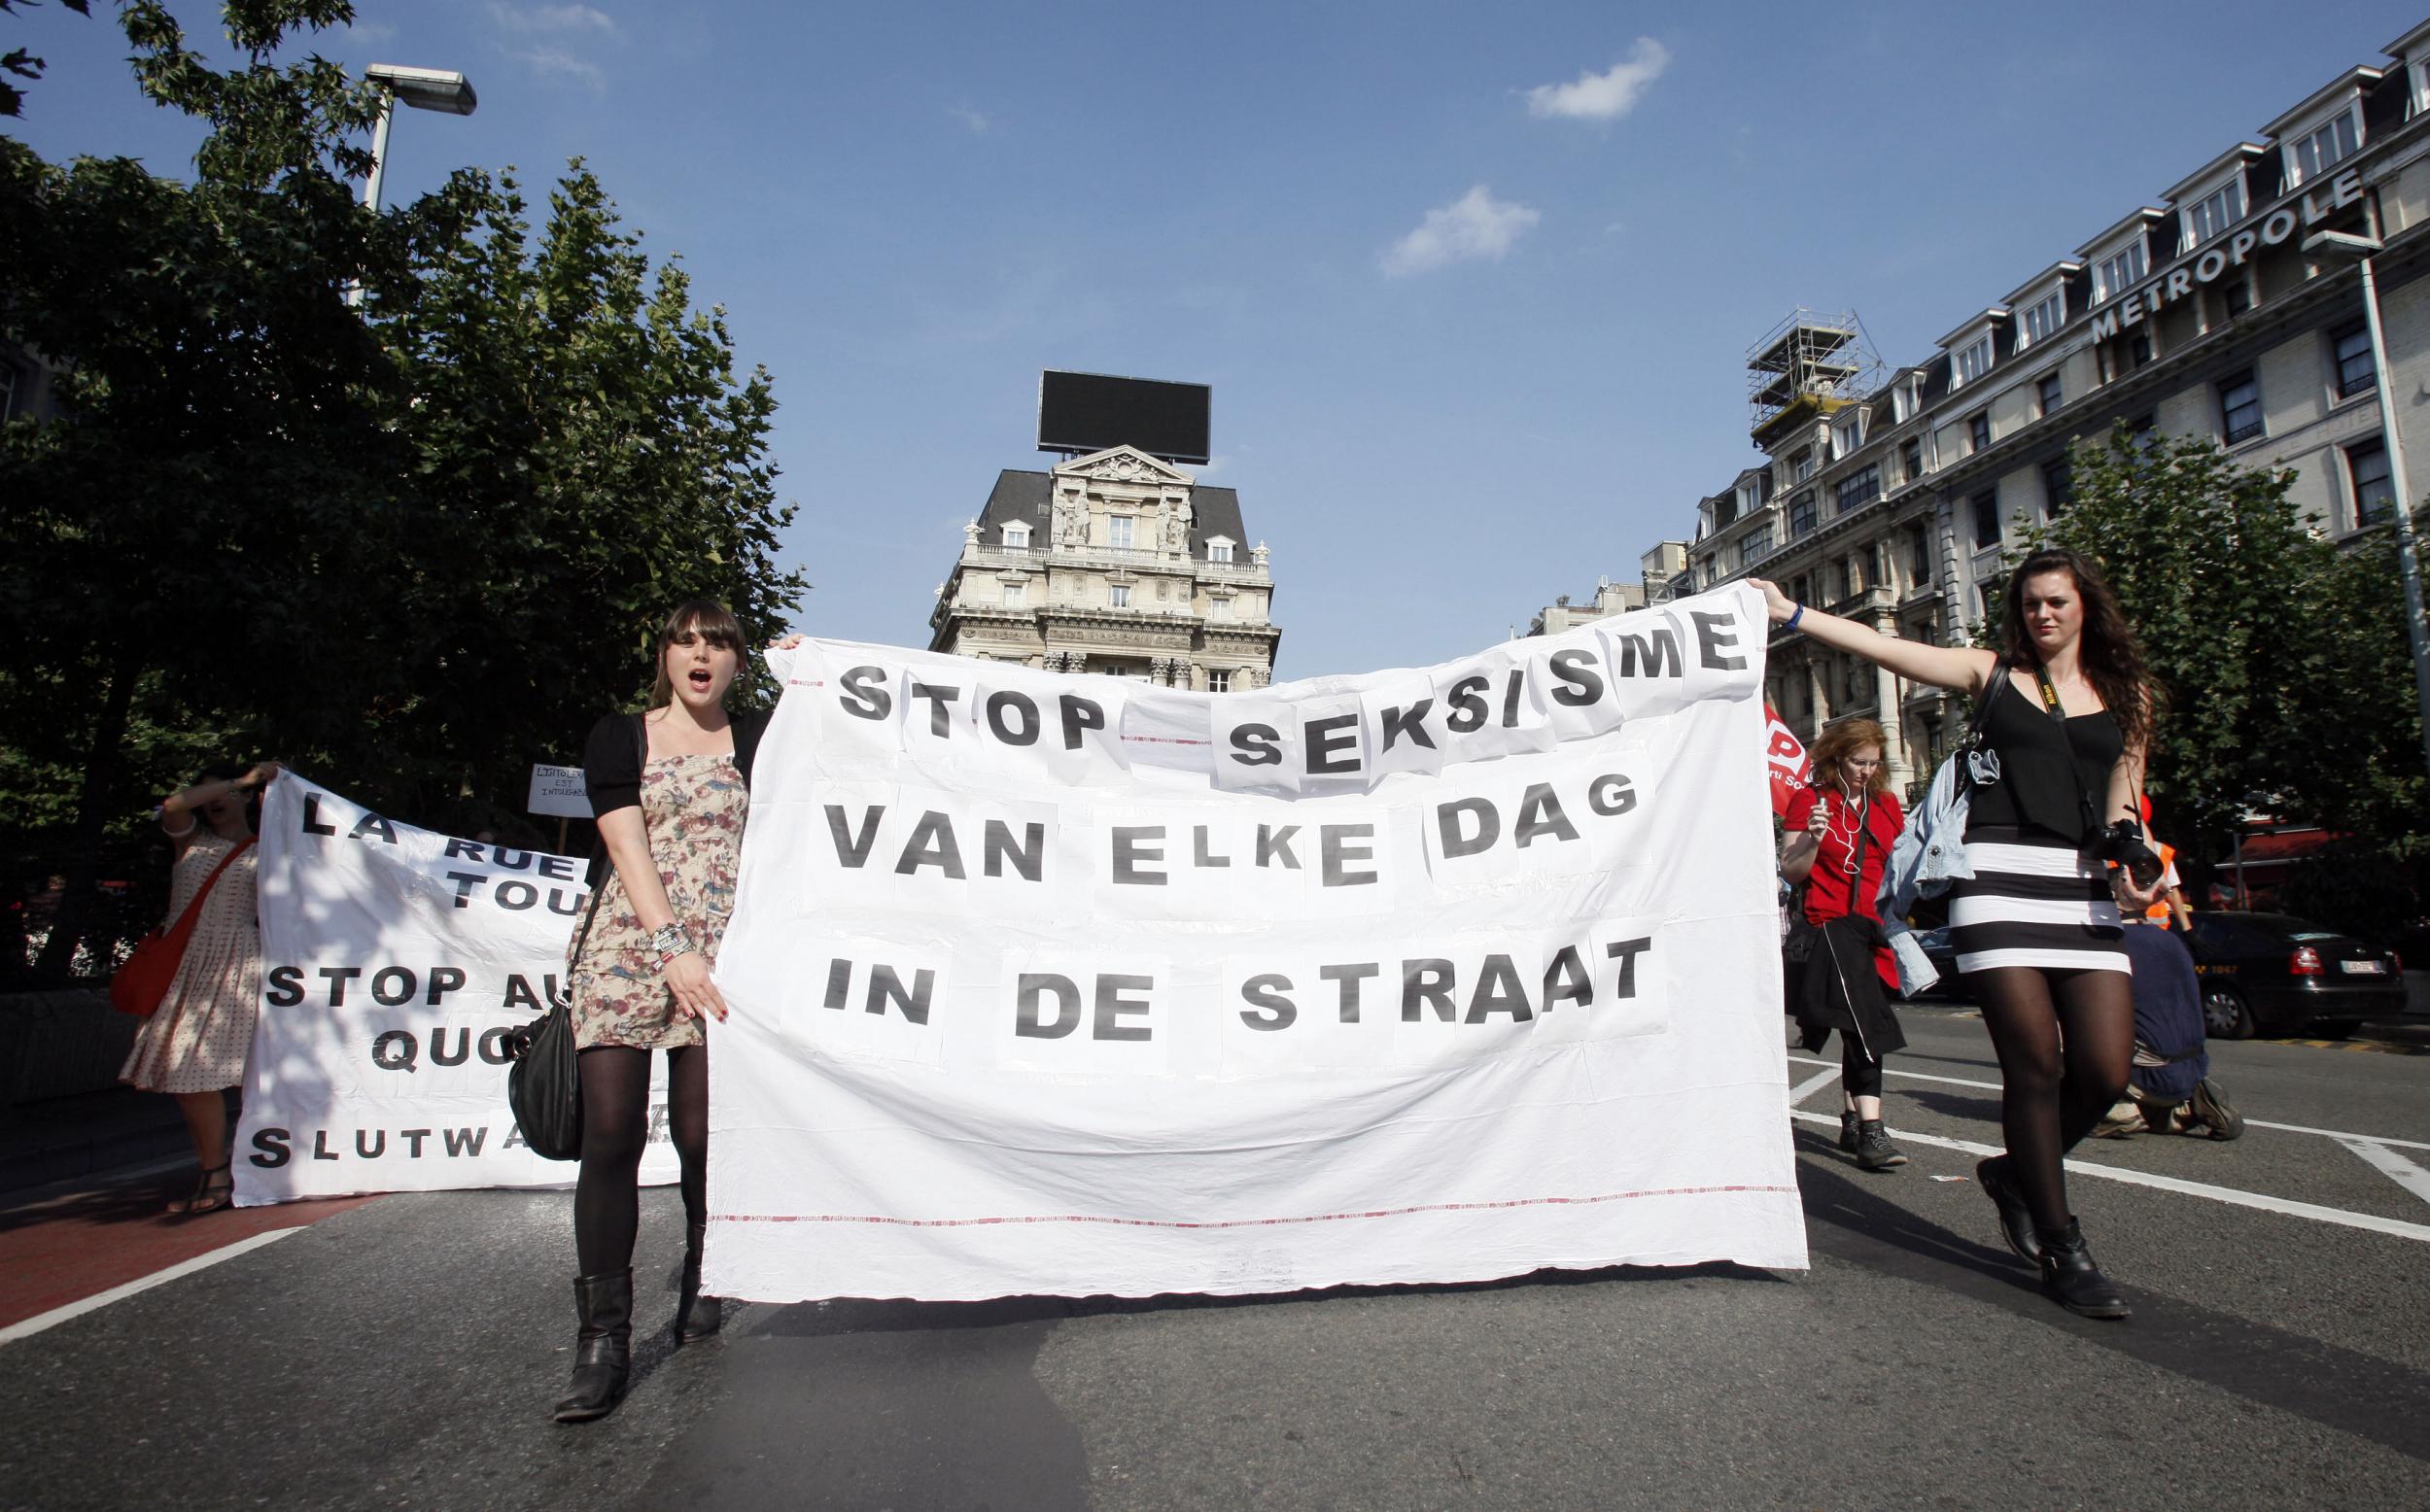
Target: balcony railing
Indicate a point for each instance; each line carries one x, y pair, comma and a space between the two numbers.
1035, 558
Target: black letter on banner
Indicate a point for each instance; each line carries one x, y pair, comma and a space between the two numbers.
320, 1149
850, 848
1322, 741
1131, 848
1472, 708
1257, 745
1203, 859
884, 986
286, 985
1626, 951
464, 1142
839, 981
384, 988
438, 1047
1079, 715
337, 977
512, 860
413, 1139
464, 882
271, 1143
1498, 991
1610, 794
1267, 992
1488, 826
1111, 1006
1034, 986
1580, 683
931, 843
443, 980
1337, 850
312, 824
372, 823
998, 703
1661, 652
395, 1050
1509, 697
460, 851
1574, 985
1350, 976
1399, 722
493, 1042
865, 696
1540, 814
515, 897
558, 867
1272, 843
1028, 858
568, 905
939, 722
1428, 982
376, 1151
519, 994
1712, 638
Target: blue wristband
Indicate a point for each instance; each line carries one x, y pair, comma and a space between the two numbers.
1791, 623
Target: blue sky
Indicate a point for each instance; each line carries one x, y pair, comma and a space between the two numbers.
1473, 283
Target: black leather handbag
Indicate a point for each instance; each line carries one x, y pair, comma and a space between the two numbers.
543, 1085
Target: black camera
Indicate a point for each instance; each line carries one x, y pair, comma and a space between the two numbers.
2123, 844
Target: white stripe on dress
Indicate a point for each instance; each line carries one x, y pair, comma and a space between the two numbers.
1991, 908
2056, 860
2048, 960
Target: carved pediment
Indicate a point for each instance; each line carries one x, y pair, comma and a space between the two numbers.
1125, 464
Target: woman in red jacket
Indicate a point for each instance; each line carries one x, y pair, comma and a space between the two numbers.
1841, 830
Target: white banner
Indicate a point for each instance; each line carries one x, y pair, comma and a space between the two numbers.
394, 961
1074, 985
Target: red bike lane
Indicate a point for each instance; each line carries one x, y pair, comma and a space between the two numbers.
61, 1247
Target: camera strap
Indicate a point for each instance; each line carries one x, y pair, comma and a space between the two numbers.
2059, 717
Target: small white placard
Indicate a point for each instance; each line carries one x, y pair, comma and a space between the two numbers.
559, 791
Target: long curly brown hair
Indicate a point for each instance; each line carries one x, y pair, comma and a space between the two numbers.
2110, 652
1843, 740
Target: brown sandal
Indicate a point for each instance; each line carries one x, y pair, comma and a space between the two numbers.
209, 1195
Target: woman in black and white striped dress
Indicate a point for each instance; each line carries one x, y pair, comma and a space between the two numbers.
2037, 928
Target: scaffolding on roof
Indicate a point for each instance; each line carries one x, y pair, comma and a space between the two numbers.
1810, 365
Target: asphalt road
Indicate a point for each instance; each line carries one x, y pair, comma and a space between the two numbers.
403, 1353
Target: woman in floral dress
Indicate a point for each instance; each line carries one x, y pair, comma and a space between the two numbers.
193, 1046
670, 789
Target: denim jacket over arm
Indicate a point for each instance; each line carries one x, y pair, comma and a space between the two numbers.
1928, 860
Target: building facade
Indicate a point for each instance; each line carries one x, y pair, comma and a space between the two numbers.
2221, 311
1115, 563
1610, 598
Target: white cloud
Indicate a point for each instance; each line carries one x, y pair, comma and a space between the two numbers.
554, 17
978, 125
1474, 226
557, 60
1604, 96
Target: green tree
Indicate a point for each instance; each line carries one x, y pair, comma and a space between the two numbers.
411, 546
2282, 653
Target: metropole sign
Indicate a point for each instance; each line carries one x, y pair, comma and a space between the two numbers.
2229, 250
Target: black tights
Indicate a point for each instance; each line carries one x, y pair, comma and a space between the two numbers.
1859, 1074
2066, 1042
615, 1129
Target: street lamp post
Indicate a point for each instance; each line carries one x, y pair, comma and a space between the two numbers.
423, 89
2408, 545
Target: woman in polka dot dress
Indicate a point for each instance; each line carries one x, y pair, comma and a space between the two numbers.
193, 1047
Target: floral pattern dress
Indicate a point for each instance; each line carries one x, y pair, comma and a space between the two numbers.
198, 1039
694, 808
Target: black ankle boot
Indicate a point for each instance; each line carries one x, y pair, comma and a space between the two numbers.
2016, 1219
1848, 1130
696, 1317
1874, 1150
2069, 1275
603, 1352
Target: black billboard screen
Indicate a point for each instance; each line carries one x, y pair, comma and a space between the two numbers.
1088, 412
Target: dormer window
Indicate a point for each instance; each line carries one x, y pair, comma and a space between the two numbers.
1218, 551
2043, 318
2315, 151
1847, 434
1974, 360
2214, 213
1801, 465
1016, 537
2119, 272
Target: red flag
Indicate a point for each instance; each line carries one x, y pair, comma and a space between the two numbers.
1785, 755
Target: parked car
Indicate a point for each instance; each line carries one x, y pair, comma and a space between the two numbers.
2281, 973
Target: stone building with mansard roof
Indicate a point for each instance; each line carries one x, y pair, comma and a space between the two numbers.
1114, 563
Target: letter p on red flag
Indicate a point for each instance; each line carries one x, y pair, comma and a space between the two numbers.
1784, 755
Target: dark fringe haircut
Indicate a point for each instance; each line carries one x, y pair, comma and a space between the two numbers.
701, 616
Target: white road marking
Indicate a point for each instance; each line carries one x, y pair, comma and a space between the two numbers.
2227, 1194
100, 1299
1812, 1084
2395, 1167
2250, 1123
